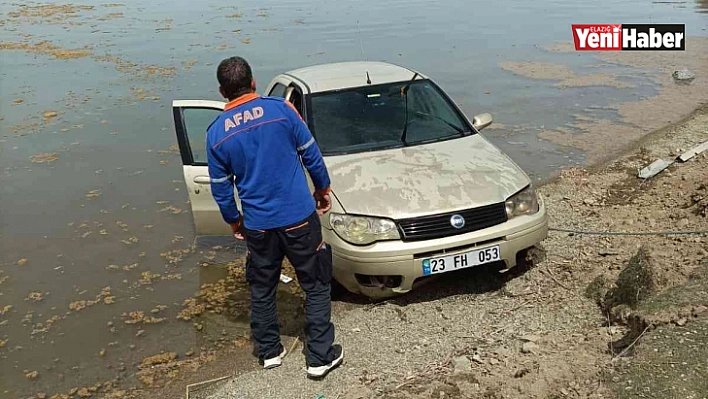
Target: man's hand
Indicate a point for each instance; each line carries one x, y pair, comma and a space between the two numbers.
323, 202
237, 229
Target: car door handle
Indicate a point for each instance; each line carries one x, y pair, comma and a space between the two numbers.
202, 179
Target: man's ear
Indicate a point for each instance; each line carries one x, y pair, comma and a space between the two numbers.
253, 84
223, 93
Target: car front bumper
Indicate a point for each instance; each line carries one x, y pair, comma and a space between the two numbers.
403, 260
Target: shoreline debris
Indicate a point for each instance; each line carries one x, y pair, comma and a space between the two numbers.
683, 76
654, 169
693, 152
659, 165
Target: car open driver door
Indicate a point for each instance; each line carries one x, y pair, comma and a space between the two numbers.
192, 118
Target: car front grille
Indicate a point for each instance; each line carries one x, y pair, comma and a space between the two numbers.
437, 226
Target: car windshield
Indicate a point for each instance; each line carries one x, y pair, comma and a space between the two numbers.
374, 117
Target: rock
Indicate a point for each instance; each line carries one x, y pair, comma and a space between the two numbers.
698, 310
635, 282
682, 321
530, 338
140, 333
683, 76
682, 223
356, 330
493, 361
50, 114
607, 252
597, 290
477, 358
529, 347
521, 373
461, 364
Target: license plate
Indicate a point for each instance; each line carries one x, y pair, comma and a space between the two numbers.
448, 263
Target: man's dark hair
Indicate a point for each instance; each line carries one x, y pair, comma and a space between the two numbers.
235, 76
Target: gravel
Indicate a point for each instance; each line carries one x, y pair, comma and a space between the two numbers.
404, 339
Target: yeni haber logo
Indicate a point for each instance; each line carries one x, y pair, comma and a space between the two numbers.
610, 37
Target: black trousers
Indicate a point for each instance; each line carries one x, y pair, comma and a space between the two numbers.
303, 245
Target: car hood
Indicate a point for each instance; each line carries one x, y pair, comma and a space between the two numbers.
424, 179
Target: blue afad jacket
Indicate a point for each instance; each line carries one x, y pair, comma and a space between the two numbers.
257, 144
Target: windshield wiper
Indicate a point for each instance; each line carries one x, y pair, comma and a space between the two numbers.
404, 91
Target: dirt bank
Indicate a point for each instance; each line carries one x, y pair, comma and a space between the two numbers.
540, 333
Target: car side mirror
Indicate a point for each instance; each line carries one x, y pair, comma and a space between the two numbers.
482, 120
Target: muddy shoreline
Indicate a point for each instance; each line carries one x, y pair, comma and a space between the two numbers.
629, 148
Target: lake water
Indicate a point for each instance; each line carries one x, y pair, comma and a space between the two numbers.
110, 192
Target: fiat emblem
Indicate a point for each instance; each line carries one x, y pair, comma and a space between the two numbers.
457, 221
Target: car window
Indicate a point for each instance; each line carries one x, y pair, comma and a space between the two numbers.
296, 100
196, 121
277, 91
374, 117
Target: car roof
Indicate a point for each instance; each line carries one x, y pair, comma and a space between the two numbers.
345, 75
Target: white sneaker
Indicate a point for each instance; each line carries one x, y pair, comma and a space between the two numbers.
321, 371
274, 362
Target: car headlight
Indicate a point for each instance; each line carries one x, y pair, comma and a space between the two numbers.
361, 230
522, 203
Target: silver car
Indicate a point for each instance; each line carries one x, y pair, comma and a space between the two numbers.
417, 191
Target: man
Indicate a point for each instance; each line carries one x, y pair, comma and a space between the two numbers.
257, 144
